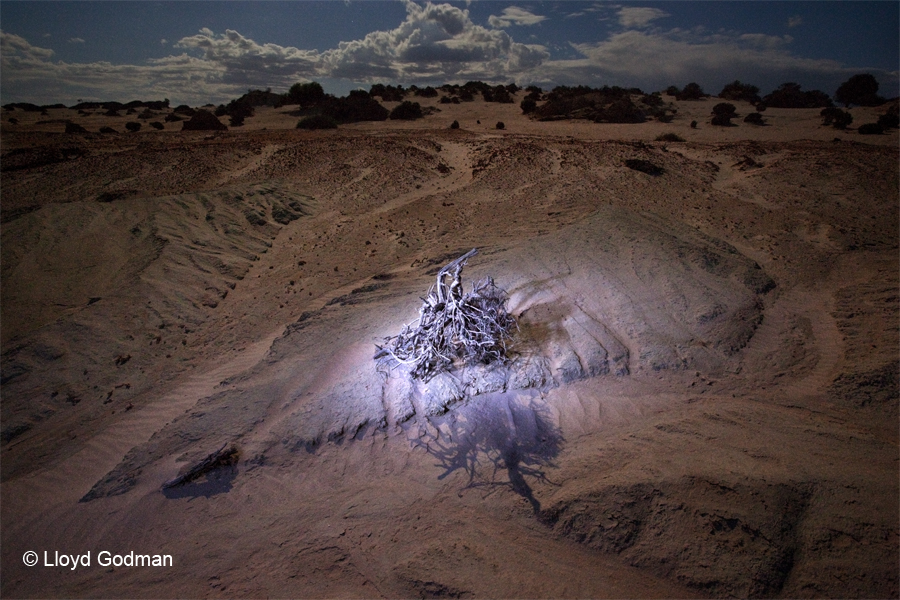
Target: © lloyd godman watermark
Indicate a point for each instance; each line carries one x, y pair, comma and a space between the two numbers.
104, 558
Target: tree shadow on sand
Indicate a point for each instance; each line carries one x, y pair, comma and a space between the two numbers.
498, 433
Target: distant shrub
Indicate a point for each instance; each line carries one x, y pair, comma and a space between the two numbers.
669, 137
157, 125
754, 119
837, 118
691, 91
498, 94
789, 95
407, 111
528, 106
427, 92
111, 113
693, 124
317, 122
466, 96
861, 90
740, 91
357, 106
108, 130
388, 93
723, 112
447, 100
760, 107
665, 117
870, 129
501, 125
454, 125
184, 109
672, 90
305, 94
173, 118
133, 126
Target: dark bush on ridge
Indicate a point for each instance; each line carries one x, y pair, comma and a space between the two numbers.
388, 93
407, 111
789, 95
427, 92
528, 105
740, 91
317, 122
835, 117
861, 90
691, 91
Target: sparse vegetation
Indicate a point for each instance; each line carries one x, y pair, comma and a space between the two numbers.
133, 126
157, 125
74, 128
528, 106
669, 137
454, 125
501, 125
601, 105
357, 106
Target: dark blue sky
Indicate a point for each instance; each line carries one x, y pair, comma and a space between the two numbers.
210, 51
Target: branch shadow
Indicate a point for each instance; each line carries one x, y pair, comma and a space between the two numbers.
500, 433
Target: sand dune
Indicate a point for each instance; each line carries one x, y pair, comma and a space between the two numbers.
701, 400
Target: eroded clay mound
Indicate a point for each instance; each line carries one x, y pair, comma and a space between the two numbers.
617, 294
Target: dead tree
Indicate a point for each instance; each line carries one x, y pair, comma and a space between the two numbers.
452, 326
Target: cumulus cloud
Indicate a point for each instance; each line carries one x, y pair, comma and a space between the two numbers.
795, 21
639, 16
513, 15
242, 61
434, 42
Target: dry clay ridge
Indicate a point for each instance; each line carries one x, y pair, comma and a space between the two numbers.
702, 397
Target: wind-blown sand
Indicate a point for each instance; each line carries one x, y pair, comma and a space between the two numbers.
703, 398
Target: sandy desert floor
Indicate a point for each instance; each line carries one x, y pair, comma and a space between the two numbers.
702, 398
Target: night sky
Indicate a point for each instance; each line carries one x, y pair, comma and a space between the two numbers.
198, 52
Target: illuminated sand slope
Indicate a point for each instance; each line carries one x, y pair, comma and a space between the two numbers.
702, 397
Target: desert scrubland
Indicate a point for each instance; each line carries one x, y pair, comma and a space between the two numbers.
702, 397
